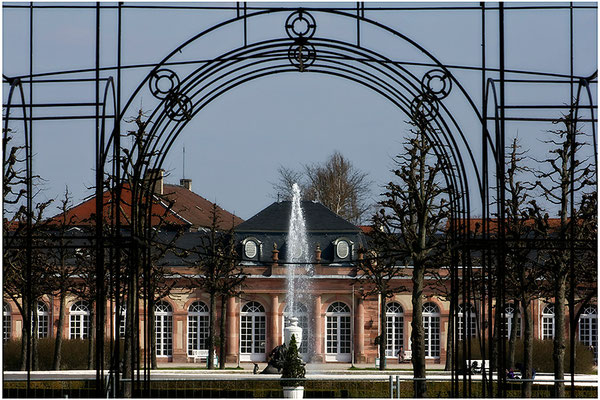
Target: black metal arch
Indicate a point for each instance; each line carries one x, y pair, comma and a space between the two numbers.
186, 97
179, 98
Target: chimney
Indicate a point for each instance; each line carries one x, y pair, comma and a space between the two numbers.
154, 178
186, 183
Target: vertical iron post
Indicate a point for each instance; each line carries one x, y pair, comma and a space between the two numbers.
29, 233
501, 257
572, 138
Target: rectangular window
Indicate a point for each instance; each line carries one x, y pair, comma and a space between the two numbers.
548, 327
6, 327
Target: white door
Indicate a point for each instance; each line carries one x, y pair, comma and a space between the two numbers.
163, 317
431, 325
339, 333
394, 329
253, 332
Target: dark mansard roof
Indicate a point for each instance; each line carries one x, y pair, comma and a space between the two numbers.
270, 226
275, 218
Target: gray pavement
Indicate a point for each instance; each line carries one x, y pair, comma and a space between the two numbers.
314, 371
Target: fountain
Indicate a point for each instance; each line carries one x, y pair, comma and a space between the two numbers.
298, 259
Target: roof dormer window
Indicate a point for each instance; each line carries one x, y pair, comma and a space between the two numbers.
343, 248
251, 248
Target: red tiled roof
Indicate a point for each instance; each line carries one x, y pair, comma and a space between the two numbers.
188, 209
366, 228
196, 209
475, 224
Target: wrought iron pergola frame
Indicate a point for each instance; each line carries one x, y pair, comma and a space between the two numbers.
302, 51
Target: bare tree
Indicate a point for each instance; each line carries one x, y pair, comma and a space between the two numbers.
522, 264
336, 184
566, 177
414, 209
219, 274
24, 277
62, 257
376, 273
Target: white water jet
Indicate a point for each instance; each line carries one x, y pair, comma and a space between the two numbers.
298, 268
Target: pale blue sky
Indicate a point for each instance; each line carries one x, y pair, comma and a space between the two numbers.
234, 146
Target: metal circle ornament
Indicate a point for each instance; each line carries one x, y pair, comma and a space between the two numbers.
424, 106
300, 24
179, 107
436, 83
163, 82
302, 55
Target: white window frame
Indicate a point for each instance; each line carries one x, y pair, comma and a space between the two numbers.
163, 328
338, 329
120, 330
253, 332
301, 312
471, 317
509, 314
588, 328
197, 327
79, 320
394, 317
42, 319
6, 321
548, 322
431, 325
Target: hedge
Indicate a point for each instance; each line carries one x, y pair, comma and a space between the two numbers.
542, 356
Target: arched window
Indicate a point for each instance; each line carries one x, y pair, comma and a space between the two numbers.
466, 314
300, 312
431, 325
548, 322
197, 330
509, 318
42, 322
163, 317
253, 332
122, 321
588, 328
339, 335
79, 320
6, 322
394, 315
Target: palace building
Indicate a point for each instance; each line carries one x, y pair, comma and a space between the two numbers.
339, 323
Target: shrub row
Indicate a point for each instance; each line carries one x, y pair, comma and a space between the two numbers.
542, 356
74, 354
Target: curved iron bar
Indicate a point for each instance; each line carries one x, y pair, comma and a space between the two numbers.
161, 151
585, 83
348, 15
27, 134
370, 65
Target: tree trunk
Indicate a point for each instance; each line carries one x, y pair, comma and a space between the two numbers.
34, 338
152, 332
211, 330
527, 348
450, 345
383, 334
496, 338
222, 332
558, 355
513, 335
24, 344
59, 332
91, 337
418, 332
